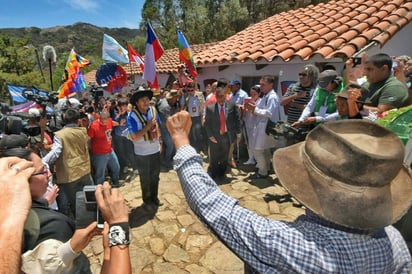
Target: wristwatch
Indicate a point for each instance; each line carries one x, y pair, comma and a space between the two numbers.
119, 234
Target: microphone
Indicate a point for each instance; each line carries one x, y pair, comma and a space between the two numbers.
49, 54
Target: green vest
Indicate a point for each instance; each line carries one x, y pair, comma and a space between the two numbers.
324, 98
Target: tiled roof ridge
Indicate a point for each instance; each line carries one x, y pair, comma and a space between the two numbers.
338, 28
329, 29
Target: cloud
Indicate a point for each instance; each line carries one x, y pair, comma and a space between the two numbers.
87, 5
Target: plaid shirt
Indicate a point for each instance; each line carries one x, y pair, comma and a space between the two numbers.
307, 245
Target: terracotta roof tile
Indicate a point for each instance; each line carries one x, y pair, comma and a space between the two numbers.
327, 30
336, 28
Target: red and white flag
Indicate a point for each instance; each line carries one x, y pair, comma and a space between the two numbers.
154, 51
135, 57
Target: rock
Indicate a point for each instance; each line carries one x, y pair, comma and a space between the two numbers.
258, 206
242, 186
196, 269
199, 228
162, 268
166, 215
172, 199
140, 258
167, 231
237, 194
219, 259
273, 207
143, 231
156, 246
199, 241
175, 254
185, 220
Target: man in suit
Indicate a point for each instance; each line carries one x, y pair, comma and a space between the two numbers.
223, 127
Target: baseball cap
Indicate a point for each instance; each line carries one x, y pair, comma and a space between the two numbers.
234, 83
326, 77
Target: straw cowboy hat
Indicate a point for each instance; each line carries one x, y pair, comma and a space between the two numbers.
349, 172
172, 94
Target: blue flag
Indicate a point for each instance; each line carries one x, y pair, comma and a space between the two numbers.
16, 93
113, 51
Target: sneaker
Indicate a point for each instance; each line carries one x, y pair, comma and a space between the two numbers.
125, 169
250, 162
258, 176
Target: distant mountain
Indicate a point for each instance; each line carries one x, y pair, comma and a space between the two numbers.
87, 39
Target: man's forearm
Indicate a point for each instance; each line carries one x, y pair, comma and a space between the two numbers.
11, 239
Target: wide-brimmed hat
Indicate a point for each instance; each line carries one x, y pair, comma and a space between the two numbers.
349, 172
172, 94
140, 93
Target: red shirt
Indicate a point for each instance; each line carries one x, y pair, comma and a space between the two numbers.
101, 136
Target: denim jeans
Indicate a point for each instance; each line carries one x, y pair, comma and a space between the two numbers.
66, 199
100, 162
149, 170
123, 148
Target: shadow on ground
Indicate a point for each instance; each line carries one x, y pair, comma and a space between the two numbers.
139, 216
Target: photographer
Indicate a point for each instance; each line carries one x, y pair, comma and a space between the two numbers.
42, 143
48, 234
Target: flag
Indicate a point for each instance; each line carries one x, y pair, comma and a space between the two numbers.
185, 53
73, 79
153, 52
113, 51
16, 93
135, 57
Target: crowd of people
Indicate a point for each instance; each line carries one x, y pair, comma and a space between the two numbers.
348, 173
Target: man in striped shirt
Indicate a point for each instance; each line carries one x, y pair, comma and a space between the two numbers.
298, 94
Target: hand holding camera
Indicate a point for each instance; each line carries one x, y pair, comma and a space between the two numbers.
111, 204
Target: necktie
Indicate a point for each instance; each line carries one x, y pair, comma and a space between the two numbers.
222, 120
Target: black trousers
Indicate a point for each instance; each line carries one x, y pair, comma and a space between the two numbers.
122, 147
196, 134
218, 156
149, 170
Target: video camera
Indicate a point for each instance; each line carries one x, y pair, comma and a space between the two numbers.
96, 92
16, 123
42, 100
282, 128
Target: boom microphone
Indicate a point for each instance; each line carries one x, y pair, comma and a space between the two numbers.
49, 54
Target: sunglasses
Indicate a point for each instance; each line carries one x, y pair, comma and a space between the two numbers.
44, 171
303, 74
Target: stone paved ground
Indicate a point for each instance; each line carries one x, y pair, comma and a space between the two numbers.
173, 240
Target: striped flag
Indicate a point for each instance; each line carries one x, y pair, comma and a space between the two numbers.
154, 51
185, 54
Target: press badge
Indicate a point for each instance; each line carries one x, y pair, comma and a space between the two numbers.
194, 109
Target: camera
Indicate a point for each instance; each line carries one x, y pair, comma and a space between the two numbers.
87, 210
282, 128
356, 61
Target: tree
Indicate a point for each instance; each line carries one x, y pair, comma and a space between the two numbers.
18, 64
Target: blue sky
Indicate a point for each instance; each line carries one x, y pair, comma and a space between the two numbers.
51, 13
